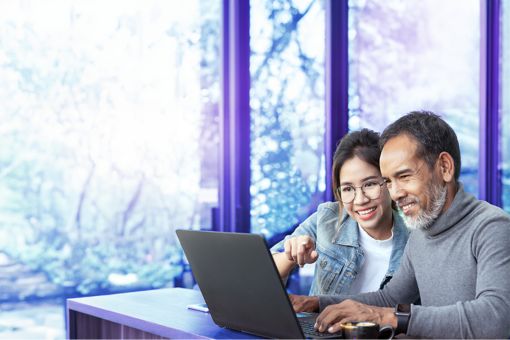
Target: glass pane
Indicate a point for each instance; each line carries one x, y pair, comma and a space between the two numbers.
109, 142
287, 108
413, 55
505, 101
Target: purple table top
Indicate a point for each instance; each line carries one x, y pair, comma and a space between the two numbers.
161, 311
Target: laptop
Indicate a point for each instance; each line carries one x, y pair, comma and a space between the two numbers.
241, 285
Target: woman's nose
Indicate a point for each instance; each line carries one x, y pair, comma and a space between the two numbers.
360, 197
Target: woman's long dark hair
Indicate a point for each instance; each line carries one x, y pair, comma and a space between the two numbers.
363, 144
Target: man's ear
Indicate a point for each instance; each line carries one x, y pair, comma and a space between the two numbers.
446, 166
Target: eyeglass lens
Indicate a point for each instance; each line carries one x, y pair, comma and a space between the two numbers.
371, 190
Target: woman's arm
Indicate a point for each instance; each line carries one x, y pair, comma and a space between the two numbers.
283, 264
298, 250
285, 252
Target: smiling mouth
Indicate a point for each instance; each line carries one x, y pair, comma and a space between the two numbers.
406, 207
366, 211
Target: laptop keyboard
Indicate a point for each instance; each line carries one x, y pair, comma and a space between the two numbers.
308, 329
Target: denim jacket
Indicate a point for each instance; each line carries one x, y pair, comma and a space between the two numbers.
340, 254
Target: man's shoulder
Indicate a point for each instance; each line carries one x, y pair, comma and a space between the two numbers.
484, 211
486, 222
474, 208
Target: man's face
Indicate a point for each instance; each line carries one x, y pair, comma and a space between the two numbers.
418, 190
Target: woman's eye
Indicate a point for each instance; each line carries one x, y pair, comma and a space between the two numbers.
347, 189
370, 184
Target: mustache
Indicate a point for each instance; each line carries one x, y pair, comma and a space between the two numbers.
404, 201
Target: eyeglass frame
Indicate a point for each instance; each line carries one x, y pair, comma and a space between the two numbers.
338, 192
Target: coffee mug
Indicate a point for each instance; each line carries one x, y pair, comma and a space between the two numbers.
366, 330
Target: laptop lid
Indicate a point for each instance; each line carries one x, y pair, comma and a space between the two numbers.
240, 283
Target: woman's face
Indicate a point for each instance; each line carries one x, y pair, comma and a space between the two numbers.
369, 212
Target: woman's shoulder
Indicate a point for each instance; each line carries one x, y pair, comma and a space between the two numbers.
330, 214
328, 208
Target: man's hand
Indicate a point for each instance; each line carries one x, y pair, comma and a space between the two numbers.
304, 303
301, 250
349, 310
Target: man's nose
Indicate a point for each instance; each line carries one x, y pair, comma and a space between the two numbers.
396, 191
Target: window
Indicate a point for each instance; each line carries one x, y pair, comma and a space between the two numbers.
109, 140
287, 112
401, 58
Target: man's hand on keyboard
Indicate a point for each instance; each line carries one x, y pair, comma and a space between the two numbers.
303, 303
349, 310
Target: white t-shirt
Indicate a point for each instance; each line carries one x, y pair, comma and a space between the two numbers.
376, 262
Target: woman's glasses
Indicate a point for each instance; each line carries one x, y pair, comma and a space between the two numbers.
370, 189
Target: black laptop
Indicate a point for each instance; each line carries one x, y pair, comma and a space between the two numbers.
241, 285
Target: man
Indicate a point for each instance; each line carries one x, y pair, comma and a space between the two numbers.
458, 258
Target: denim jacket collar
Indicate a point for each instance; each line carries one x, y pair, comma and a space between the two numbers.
347, 235
400, 236
347, 231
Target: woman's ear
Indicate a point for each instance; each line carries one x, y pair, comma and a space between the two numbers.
446, 166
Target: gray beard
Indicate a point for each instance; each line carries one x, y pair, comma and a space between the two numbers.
427, 218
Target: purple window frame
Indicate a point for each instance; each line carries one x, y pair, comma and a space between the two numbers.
234, 193
490, 181
337, 91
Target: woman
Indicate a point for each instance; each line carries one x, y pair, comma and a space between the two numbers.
356, 241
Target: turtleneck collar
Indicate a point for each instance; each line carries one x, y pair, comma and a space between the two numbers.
462, 204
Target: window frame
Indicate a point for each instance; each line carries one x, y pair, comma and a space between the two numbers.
490, 178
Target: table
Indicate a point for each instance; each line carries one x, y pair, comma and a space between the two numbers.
151, 314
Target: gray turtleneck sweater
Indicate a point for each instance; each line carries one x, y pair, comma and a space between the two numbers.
460, 268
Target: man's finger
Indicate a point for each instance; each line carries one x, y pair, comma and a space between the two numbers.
336, 327
329, 318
